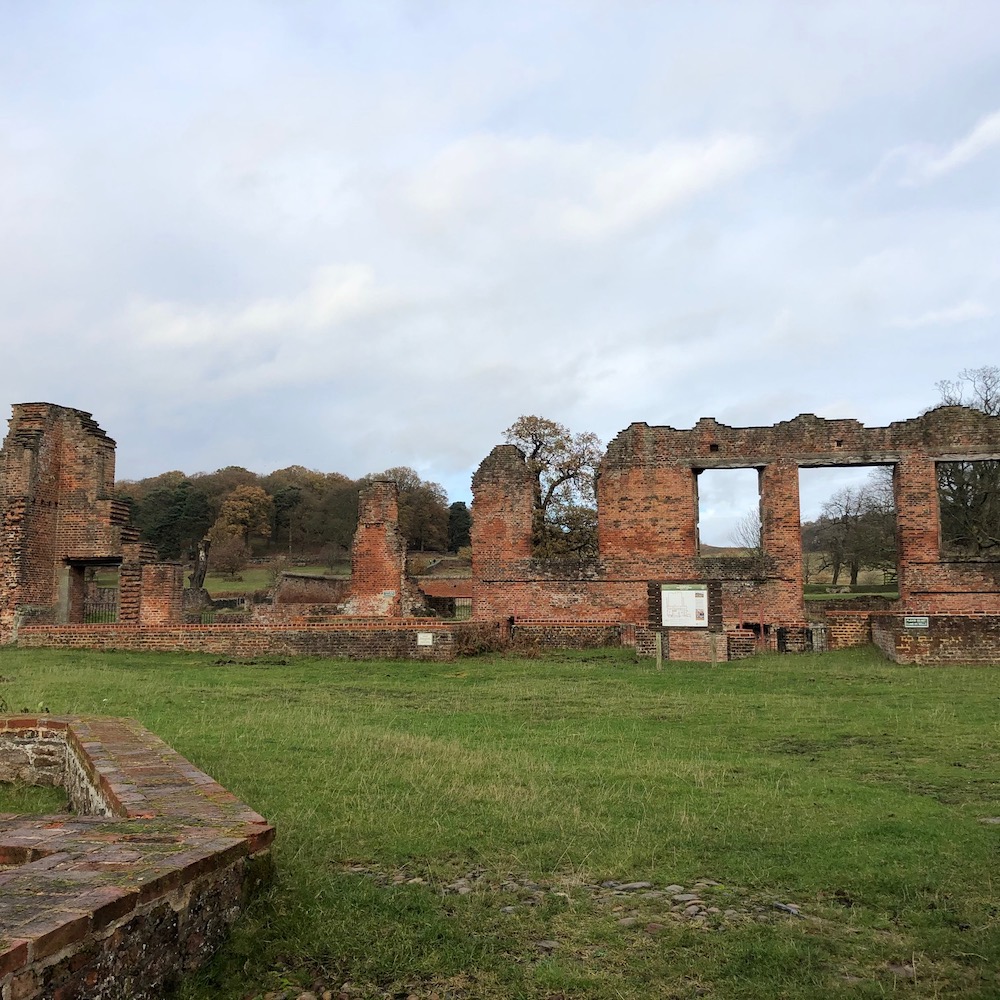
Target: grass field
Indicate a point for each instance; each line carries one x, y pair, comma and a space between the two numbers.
255, 578
827, 592
450, 830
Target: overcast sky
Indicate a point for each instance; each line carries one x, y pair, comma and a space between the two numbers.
353, 235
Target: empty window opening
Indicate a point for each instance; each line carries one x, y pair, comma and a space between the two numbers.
969, 501
729, 512
848, 517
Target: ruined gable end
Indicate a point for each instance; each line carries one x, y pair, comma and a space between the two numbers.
60, 518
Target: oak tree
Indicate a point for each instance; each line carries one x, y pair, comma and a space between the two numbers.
563, 466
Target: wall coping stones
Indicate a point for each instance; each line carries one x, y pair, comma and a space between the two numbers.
162, 825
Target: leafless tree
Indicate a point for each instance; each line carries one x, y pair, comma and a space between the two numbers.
746, 535
856, 529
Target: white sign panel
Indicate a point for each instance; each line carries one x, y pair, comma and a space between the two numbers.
425, 638
684, 605
916, 621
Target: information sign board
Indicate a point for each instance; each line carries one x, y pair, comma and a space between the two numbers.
684, 605
916, 621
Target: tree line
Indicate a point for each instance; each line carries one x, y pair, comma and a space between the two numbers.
301, 511
295, 511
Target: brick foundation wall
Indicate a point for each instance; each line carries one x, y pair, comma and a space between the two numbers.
566, 635
948, 639
140, 886
742, 644
846, 629
694, 645
645, 640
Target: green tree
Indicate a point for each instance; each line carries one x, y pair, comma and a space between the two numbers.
173, 518
229, 555
969, 492
459, 526
245, 512
221, 483
563, 467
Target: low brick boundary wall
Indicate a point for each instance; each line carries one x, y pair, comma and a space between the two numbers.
947, 639
140, 886
420, 639
555, 634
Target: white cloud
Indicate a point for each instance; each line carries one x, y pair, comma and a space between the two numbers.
353, 237
920, 163
983, 137
336, 295
963, 312
593, 190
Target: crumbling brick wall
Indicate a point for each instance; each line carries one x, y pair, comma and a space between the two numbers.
647, 497
945, 639
58, 515
380, 587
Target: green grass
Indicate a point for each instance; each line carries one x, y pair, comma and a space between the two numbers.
846, 786
35, 799
821, 591
255, 578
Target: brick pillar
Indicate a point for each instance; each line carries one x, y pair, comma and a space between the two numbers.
502, 500
918, 516
378, 556
781, 535
75, 596
129, 593
161, 594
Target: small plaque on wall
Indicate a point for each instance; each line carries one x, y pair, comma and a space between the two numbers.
425, 638
916, 621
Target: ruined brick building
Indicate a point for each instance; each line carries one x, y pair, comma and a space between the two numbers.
647, 499
75, 573
60, 526
59, 522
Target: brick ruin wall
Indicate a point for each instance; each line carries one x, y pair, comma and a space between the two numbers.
379, 586
58, 516
299, 588
647, 506
945, 639
846, 629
